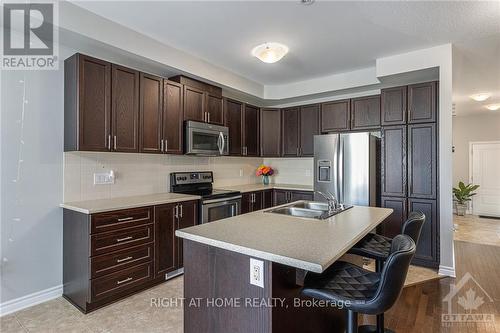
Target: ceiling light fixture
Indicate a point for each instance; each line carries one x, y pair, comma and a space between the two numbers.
270, 52
480, 97
493, 107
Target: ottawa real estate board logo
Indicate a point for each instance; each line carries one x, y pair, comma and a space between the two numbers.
29, 36
468, 304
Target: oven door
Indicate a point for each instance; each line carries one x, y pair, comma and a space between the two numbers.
218, 209
207, 142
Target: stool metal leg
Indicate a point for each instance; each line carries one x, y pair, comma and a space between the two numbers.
379, 328
352, 322
378, 265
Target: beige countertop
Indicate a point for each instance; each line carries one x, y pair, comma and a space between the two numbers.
303, 243
106, 205
261, 187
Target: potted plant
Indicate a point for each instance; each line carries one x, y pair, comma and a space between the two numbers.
265, 172
463, 193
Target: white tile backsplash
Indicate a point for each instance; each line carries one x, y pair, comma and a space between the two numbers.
292, 170
137, 174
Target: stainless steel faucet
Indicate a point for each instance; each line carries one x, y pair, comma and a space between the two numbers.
333, 203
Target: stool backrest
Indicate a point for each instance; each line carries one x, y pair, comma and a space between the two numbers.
413, 225
394, 273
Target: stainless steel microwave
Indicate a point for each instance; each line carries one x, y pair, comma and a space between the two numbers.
205, 139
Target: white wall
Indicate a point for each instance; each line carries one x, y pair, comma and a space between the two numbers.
137, 174
466, 129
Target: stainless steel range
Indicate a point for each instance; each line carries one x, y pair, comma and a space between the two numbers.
215, 204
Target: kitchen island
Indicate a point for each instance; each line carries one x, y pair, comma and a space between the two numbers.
217, 266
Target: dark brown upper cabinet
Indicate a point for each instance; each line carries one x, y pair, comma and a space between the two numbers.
290, 131
335, 116
214, 109
125, 109
87, 104
309, 127
422, 103
393, 161
270, 134
422, 163
194, 104
251, 131
365, 113
233, 119
173, 103
151, 114
393, 105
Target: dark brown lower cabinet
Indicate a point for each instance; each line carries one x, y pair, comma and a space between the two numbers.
280, 197
251, 201
427, 247
267, 199
111, 255
285, 196
393, 224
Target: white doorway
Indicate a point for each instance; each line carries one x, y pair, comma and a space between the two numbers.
484, 170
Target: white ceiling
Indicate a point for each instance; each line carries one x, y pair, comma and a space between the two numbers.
324, 38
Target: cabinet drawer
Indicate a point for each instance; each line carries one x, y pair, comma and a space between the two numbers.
115, 283
120, 219
109, 263
117, 240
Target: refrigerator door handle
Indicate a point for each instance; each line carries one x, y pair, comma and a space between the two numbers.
340, 171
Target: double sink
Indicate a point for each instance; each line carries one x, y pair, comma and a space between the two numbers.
308, 209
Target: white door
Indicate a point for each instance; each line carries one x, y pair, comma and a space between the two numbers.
485, 171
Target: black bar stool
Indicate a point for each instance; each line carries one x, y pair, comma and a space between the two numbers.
377, 247
362, 291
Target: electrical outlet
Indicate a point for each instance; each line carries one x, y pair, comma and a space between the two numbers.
104, 178
241, 172
257, 272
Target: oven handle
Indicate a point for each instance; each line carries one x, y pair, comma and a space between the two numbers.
221, 200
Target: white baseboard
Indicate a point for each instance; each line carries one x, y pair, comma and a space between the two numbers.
30, 300
447, 271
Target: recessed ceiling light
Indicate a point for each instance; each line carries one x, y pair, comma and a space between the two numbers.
270, 52
493, 107
306, 2
480, 97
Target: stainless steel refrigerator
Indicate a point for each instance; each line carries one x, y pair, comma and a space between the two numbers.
348, 166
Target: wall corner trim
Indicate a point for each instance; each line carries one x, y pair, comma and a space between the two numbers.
30, 300
447, 271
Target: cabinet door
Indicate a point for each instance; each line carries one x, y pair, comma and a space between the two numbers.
94, 104
393, 105
165, 249
233, 120
151, 113
214, 109
246, 202
188, 217
335, 116
258, 201
309, 127
290, 132
393, 164
301, 195
270, 134
422, 161
393, 225
365, 112
427, 245
280, 197
422, 103
172, 117
125, 109
194, 104
267, 199
251, 131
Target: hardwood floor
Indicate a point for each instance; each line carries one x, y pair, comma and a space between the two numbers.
420, 307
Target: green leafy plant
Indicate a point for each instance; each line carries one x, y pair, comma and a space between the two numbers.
464, 192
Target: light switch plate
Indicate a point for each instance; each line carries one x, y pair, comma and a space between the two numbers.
257, 272
104, 178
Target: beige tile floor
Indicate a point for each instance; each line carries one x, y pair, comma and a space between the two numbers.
135, 314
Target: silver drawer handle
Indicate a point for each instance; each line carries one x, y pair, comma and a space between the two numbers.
126, 219
124, 239
123, 281
124, 259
